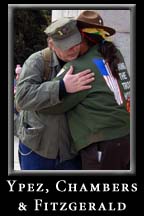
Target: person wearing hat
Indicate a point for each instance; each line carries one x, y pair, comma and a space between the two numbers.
45, 139
99, 118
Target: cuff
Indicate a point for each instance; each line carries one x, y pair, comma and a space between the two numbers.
62, 90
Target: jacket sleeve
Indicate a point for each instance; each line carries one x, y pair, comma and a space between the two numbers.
70, 100
31, 92
124, 80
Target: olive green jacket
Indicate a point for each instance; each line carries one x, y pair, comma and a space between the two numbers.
99, 113
47, 135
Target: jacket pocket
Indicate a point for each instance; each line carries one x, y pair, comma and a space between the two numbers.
31, 130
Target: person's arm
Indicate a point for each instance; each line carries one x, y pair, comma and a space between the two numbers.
70, 100
124, 80
32, 93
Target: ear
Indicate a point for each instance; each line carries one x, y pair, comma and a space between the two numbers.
51, 43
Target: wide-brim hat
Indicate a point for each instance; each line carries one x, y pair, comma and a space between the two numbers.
64, 33
91, 19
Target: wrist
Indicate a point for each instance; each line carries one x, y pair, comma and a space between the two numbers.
62, 90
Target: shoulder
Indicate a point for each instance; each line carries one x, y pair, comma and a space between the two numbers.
119, 54
34, 65
121, 64
34, 62
35, 57
87, 58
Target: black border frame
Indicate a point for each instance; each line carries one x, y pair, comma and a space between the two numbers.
11, 171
